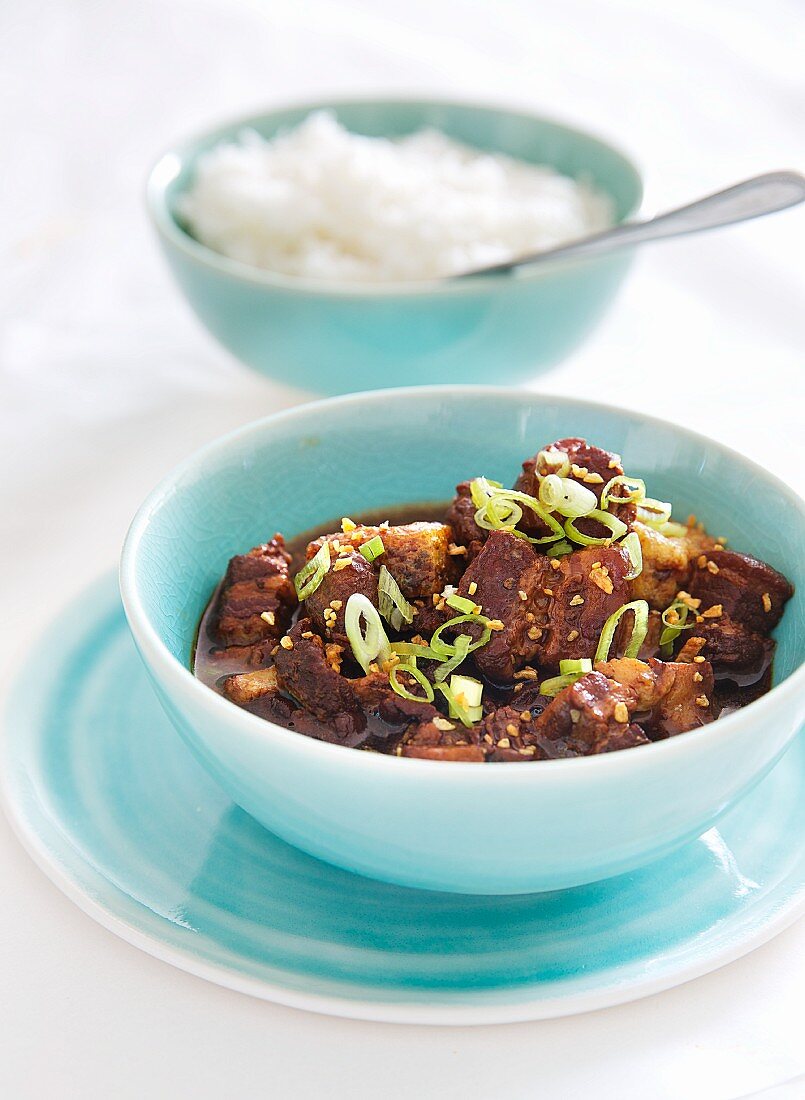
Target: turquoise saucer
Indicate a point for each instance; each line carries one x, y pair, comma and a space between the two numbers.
110, 803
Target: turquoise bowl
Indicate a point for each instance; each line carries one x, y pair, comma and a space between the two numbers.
492, 829
336, 338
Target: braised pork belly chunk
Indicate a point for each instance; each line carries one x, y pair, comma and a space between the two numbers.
257, 597
566, 616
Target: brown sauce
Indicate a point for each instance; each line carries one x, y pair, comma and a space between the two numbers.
212, 664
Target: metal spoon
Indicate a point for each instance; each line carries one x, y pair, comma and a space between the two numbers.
750, 199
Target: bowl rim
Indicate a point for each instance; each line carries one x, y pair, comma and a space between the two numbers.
254, 726
166, 166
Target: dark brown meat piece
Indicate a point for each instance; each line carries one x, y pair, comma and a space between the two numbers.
256, 656
689, 702
591, 467
428, 617
629, 738
256, 582
734, 649
511, 733
670, 698
551, 609
591, 716
443, 739
505, 568
461, 518
574, 599
749, 591
416, 554
339, 583
377, 698
305, 673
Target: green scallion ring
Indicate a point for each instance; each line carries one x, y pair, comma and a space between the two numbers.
312, 573
462, 604
576, 668
448, 650
372, 549
635, 491
654, 513
462, 646
394, 607
420, 678
374, 644
631, 545
412, 650
455, 708
481, 488
566, 496
557, 683
639, 630
616, 527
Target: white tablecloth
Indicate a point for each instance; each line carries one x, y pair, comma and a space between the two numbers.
106, 381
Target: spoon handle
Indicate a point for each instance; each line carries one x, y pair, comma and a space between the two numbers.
750, 199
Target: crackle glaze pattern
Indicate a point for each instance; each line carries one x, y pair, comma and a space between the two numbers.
332, 339
110, 801
450, 826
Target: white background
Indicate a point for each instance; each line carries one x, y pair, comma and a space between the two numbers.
106, 381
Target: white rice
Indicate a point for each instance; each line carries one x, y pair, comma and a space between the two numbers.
324, 203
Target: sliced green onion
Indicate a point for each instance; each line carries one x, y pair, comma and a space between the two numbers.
504, 512
653, 512
673, 530
462, 647
446, 648
411, 650
501, 509
576, 668
635, 491
681, 611
639, 630
456, 707
481, 489
496, 513
570, 672
462, 604
374, 644
557, 683
566, 496
615, 526
553, 524
631, 545
559, 549
469, 687
312, 573
420, 678
373, 548
674, 629
394, 607
552, 461
468, 691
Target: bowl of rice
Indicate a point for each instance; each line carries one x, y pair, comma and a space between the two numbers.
320, 243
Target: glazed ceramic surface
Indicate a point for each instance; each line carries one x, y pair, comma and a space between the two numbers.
450, 826
112, 805
334, 338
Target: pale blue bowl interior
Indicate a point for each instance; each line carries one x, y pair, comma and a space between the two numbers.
345, 456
